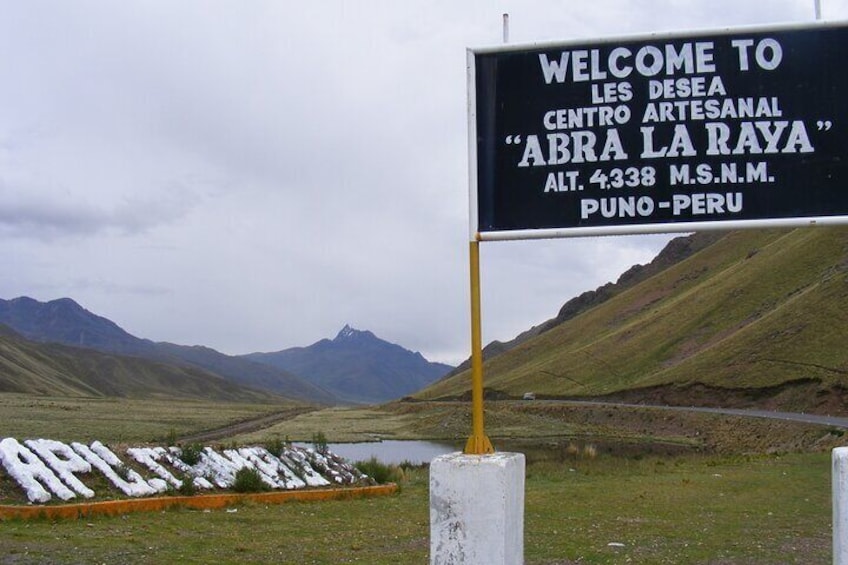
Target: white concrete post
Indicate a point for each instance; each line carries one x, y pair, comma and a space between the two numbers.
477, 509
839, 478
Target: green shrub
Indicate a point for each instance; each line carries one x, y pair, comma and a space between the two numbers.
380, 472
187, 488
275, 446
191, 453
319, 441
249, 480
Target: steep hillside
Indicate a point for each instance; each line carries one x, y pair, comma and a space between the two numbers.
59, 370
757, 317
357, 366
63, 321
677, 250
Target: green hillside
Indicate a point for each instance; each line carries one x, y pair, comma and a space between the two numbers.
57, 370
752, 312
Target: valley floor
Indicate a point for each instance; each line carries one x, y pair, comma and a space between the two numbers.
604, 484
556, 422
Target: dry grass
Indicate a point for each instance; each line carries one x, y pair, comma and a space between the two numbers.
338, 424
116, 420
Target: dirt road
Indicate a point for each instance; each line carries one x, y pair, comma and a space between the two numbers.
246, 426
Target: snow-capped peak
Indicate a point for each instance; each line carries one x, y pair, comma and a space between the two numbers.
347, 332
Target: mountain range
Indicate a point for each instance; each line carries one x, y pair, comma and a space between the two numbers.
358, 366
65, 322
740, 318
53, 369
377, 370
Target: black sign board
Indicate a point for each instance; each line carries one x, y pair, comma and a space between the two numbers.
738, 128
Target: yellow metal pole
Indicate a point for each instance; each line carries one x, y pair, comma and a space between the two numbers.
478, 443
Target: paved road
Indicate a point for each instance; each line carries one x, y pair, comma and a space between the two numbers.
834, 421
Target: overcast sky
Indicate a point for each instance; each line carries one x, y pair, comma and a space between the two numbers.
252, 175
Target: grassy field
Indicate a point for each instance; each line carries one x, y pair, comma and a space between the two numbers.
116, 420
757, 510
725, 501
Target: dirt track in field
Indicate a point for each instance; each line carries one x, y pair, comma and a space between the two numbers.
246, 426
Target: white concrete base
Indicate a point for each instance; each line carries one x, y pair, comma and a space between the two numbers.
839, 480
477, 509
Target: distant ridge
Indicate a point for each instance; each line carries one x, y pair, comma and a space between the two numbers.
65, 322
357, 366
60, 370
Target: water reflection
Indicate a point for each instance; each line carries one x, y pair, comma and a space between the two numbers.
416, 452
393, 452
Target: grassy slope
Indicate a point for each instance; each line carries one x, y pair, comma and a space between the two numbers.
50, 369
755, 309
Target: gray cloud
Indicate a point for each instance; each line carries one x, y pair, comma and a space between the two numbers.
252, 176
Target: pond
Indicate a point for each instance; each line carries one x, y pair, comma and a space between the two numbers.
395, 452
392, 452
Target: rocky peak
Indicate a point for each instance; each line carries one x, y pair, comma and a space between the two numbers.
349, 333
